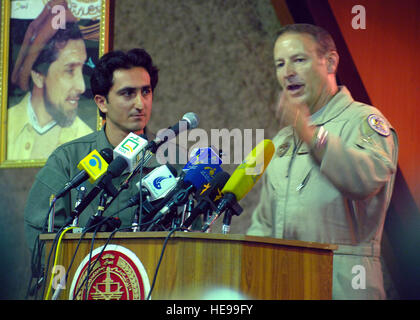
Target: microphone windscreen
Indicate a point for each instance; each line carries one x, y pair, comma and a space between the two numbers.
192, 120
213, 189
117, 166
201, 174
107, 154
172, 169
250, 170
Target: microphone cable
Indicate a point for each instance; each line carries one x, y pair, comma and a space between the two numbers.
36, 257
86, 279
160, 260
93, 227
56, 254
53, 249
104, 247
99, 255
125, 184
58, 238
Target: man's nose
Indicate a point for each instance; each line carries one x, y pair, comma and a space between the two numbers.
290, 70
138, 101
79, 82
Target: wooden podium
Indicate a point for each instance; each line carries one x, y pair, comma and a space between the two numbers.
193, 263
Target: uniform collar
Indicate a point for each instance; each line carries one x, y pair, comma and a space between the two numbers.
338, 103
33, 119
102, 141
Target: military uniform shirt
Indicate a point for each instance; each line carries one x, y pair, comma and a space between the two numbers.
342, 200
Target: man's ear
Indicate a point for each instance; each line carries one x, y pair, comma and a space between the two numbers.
332, 61
38, 79
101, 103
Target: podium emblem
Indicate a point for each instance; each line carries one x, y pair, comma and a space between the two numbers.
118, 275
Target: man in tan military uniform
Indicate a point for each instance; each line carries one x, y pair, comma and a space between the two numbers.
332, 175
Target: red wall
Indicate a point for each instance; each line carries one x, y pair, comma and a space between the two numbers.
387, 57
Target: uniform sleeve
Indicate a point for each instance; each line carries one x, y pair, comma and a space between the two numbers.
261, 219
49, 180
362, 159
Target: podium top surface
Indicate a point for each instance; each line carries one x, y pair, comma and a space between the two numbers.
195, 235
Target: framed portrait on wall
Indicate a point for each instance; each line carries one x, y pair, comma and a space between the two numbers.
48, 51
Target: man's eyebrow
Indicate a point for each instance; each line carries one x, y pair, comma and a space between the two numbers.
123, 89
73, 64
292, 57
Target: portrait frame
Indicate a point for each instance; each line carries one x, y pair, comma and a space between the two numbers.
96, 25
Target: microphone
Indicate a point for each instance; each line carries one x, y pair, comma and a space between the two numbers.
129, 149
115, 169
160, 181
189, 121
193, 179
244, 178
156, 184
205, 164
93, 166
208, 196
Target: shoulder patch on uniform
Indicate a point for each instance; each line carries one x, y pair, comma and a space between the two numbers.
378, 124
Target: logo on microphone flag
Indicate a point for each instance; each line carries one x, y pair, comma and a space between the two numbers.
129, 145
94, 165
157, 183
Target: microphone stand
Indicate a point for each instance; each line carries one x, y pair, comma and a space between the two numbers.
97, 217
233, 209
227, 219
125, 184
186, 213
180, 198
81, 191
136, 220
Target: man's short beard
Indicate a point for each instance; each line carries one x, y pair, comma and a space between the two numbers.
62, 119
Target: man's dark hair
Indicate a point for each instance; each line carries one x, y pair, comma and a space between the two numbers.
102, 77
52, 48
321, 36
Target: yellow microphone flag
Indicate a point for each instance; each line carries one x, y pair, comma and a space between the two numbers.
94, 165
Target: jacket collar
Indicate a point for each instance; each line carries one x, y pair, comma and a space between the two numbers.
102, 141
339, 102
